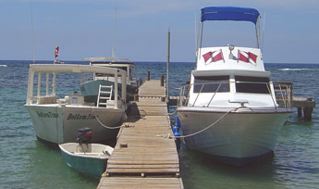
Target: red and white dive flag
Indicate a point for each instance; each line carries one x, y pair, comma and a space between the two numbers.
56, 52
247, 57
213, 56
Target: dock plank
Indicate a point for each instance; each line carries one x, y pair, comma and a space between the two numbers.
140, 183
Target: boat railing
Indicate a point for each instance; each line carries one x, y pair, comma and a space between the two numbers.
284, 93
281, 96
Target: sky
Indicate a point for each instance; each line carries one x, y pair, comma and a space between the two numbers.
137, 29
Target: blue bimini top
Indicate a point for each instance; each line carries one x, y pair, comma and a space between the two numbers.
230, 13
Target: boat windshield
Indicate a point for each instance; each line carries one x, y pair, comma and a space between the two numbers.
211, 84
252, 84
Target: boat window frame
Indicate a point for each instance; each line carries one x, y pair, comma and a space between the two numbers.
252, 84
221, 84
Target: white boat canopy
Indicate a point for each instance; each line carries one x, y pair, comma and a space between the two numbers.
71, 68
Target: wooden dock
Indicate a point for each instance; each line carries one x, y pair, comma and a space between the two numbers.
287, 99
144, 156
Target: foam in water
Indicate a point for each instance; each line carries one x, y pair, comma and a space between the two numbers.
295, 69
3, 65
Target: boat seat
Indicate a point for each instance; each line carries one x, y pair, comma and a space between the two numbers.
47, 100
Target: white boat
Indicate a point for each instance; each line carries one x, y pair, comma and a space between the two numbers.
55, 119
89, 88
90, 159
229, 110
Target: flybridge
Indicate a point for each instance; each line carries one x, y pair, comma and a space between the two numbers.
230, 13
229, 56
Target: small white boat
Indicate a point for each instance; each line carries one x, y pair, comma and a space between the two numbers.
229, 110
56, 119
89, 159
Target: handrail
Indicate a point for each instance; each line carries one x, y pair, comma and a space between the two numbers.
191, 86
198, 94
282, 95
220, 84
272, 98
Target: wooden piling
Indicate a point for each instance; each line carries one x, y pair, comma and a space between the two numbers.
304, 106
148, 75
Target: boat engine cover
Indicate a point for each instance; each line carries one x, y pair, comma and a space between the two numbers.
84, 135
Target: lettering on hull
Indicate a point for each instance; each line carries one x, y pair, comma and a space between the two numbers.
80, 117
47, 114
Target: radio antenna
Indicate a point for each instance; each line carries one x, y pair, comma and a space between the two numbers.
32, 31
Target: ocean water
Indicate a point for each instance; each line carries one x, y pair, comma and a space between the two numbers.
27, 163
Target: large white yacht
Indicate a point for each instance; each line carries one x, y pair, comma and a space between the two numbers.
229, 110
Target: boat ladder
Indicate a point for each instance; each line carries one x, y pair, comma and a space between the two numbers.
105, 94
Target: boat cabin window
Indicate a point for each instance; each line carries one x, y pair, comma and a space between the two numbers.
258, 85
110, 75
103, 75
211, 84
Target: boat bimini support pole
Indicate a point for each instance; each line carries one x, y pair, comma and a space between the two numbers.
30, 87
115, 90
123, 80
39, 86
257, 28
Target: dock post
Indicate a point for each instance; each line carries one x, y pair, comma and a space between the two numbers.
148, 75
299, 109
162, 81
167, 64
307, 113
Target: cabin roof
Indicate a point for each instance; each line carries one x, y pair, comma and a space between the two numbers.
231, 72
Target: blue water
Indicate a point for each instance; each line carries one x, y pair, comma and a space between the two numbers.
27, 163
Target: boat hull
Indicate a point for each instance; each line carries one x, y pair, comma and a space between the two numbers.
92, 164
59, 124
238, 138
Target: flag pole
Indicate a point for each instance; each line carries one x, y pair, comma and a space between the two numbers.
168, 60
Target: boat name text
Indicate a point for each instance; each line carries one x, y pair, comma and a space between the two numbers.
48, 114
80, 117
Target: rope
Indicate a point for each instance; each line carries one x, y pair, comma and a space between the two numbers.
105, 126
209, 126
172, 113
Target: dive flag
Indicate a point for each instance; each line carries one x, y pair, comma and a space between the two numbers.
56, 52
252, 56
207, 56
242, 57
218, 57
247, 57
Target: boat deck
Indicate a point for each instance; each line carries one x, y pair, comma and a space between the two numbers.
144, 156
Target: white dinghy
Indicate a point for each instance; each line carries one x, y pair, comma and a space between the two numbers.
84, 157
